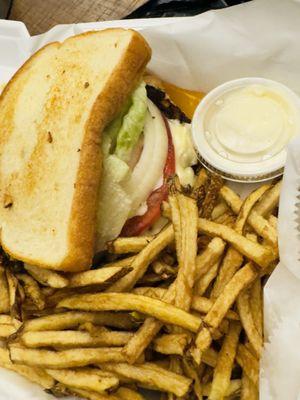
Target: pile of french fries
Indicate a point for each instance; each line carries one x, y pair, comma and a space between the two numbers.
179, 312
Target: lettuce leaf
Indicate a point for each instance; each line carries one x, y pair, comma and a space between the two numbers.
132, 124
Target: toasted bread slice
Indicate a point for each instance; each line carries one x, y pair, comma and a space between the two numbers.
52, 114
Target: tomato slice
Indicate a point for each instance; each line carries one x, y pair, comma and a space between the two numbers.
138, 224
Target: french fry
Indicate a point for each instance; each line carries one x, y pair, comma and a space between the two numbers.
243, 306
151, 374
12, 283
66, 358
255, 219
132, 302
143, 259
186, 244
86, 379
35, 375
248, 362
71, 319
87, 394
192, 373
233, 390
261, 255
6, 330
220, 209
46, 277
175, 343
256, 305
8, 320
209, 256
72, 339
205, 280
128, 394
123, 245
200, 180
222, 373
210, 357
221, 306
249, 391
4, 293
97, 276
229, 266
32, 290
269, 201
211, 196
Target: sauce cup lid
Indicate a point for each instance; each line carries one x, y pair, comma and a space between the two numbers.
256, 162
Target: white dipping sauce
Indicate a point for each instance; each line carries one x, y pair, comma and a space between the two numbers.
251, 123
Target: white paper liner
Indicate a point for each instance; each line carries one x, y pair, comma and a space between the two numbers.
260, 38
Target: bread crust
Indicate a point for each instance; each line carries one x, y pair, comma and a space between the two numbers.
82, 221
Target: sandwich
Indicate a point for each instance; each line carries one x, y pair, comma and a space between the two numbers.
88, 143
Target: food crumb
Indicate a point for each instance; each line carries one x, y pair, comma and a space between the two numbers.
86, 85
50, 138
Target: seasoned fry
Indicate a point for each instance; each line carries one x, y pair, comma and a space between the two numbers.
71, 319
127, 301
97, 276
4, 293
35, 375
248, 362
47, 277
65, 358
151, 374
261, 255
73, 339
249, 391
201, 179
175, 343
86, 379
211, 196
32, 291
210, 357
133, 244
243, 306
222, 373
186, 244
143, 259
256, 305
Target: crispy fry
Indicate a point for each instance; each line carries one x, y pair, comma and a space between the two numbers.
220, 209
12, 283
211, 196
143, 259
210, 357
243, 306
256, 305
255, 219
73, 339
247, 206
65, 358
32, 290
72, 319
175, 343
160, 267
86, 379
221, 306
249, 390
201, 179
128, 394
47, 277
87, 394
205, 280
222, 373
4, 293
8, 320
248, 362
35, 375
6, 330
151, 374
191, 372
127, 301
269, 201
97, 276
133, 244
233, 390
209, 256
186, 244
261, 255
